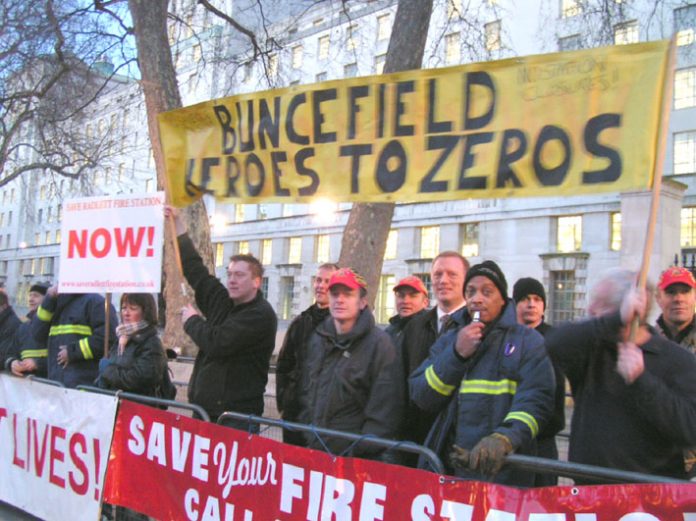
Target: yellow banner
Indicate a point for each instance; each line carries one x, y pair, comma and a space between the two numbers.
555, 124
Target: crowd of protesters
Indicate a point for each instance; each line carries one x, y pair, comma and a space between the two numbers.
476, 377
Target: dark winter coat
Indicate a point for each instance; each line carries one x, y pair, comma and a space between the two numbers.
25, 346
352, 383
292, 358
506, 386
641, 427
9, 322
77, 321
417, 338
140, 368
397, 324
235, 343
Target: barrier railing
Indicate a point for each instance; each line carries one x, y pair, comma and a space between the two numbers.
149, 400
580, 471
530, 463
374, 441
44, 380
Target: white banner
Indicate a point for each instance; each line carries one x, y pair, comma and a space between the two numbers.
112, 244
54, 448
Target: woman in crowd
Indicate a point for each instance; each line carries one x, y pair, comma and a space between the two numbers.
137, 362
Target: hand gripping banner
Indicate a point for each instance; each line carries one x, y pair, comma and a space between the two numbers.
547, 125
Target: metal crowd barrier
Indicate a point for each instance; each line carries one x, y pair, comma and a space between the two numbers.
43, 380
149, 400
374, 441
529, 463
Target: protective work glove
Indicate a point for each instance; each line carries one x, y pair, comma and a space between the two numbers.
488, 456
459, 458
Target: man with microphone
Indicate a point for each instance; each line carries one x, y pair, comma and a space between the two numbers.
490, 382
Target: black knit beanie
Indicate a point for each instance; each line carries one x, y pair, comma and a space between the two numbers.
528, 286
39, 288
490, 270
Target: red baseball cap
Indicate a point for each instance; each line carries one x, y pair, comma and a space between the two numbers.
676, 275
347, 277
412, 282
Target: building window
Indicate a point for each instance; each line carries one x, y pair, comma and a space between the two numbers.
685, 152
320, 77
287, 289
273, 66
264, 287
685, 88
470, 240
352, 37
684, 24
323, 47
350, 70
39, 216
569, 234
429, 242
243, 247
390, 250
322, 249
219, 255
685, 37
452, 48
383, 27
58, 235
563, 297
385, 299
626, 33
380, 60
37, 239
428, 283
297, 57
42, 192
492, 35
266, 251
196, 53
688, 227
239, 213
47, 237
615, 231
294, 250
454, 8
570, 8
570, 43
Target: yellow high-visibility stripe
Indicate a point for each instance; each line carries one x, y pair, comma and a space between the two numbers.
436, 384
488, 387
34, 353
70, 329
525, 418
44, 316
86, 351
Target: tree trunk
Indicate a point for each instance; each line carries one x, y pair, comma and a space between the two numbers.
162, 94
365, 235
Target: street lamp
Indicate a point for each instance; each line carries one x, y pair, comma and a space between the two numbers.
323, 210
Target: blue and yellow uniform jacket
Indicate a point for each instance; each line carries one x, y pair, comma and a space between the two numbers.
507, 386
78, 322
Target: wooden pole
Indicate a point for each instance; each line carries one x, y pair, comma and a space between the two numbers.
658, 166
107, 313
172, 228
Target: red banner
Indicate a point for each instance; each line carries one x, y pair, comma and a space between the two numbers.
172, 467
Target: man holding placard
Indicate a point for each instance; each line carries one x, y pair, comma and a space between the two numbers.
235, 333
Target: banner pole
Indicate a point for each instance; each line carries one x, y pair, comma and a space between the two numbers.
658, 167
107, 309
172, 226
